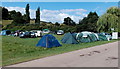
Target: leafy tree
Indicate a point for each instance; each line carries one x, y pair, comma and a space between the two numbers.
37, 20
0, 13
69, 21
57, 24
12, 14
89, 23
110, 19
114, 11
18, 19
27, 19
24, 16
5, 13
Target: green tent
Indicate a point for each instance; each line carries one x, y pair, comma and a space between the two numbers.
84, 37
102, 37
68, 38
93, 37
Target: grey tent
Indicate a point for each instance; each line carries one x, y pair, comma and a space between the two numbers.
68, 38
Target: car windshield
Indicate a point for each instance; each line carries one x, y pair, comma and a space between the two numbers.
32, 32
26, 33
107, 34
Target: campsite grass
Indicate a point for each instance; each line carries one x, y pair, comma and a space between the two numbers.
16, 50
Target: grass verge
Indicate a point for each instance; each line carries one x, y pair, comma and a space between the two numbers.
16, 50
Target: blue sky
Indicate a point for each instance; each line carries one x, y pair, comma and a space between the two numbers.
59, 0
56, 11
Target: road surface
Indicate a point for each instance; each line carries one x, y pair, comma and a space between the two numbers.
99, 56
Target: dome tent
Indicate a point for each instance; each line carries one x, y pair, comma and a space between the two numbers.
102, 37
85, 36
5, 32
48, 41
93, 37
68, 38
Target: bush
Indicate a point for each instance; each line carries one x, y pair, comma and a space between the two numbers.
28, 27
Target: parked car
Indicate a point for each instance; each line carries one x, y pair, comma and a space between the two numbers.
32, 35
27, 35
60, 32
46, 31
38, 33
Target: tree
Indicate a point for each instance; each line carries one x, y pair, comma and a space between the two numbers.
89, 23
27, 19
109, 20
0, 13
57, 24
24, 16
18, 19
5, 13
12, 14
69, 21
114, 11
37, 20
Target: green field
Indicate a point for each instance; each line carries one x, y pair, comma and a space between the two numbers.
16, 50
6, 22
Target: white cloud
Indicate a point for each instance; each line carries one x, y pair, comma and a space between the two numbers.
54, 15
81, 14
73, 10
22, 10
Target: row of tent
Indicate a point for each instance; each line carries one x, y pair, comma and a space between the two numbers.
83, 37
49, 40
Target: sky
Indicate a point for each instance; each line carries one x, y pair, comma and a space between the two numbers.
60, 0
57, 11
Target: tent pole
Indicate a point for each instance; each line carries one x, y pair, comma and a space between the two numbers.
47, 42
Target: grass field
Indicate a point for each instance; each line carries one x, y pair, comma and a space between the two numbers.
16, 50
6, 22
0, 51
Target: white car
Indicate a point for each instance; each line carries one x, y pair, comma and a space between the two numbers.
38, 33
60, 32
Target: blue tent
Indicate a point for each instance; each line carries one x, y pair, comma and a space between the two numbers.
48, 41
5, 32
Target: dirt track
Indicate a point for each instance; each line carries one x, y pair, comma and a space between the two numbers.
99, 56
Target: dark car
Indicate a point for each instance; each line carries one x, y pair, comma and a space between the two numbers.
28, 35
32, 35
118, 34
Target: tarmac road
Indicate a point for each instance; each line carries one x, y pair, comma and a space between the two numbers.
99, 56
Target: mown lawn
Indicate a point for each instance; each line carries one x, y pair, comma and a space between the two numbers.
16, 50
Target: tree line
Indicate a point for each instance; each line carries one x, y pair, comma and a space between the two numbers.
107, 22
18, 18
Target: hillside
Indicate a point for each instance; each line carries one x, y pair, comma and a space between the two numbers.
6, 22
